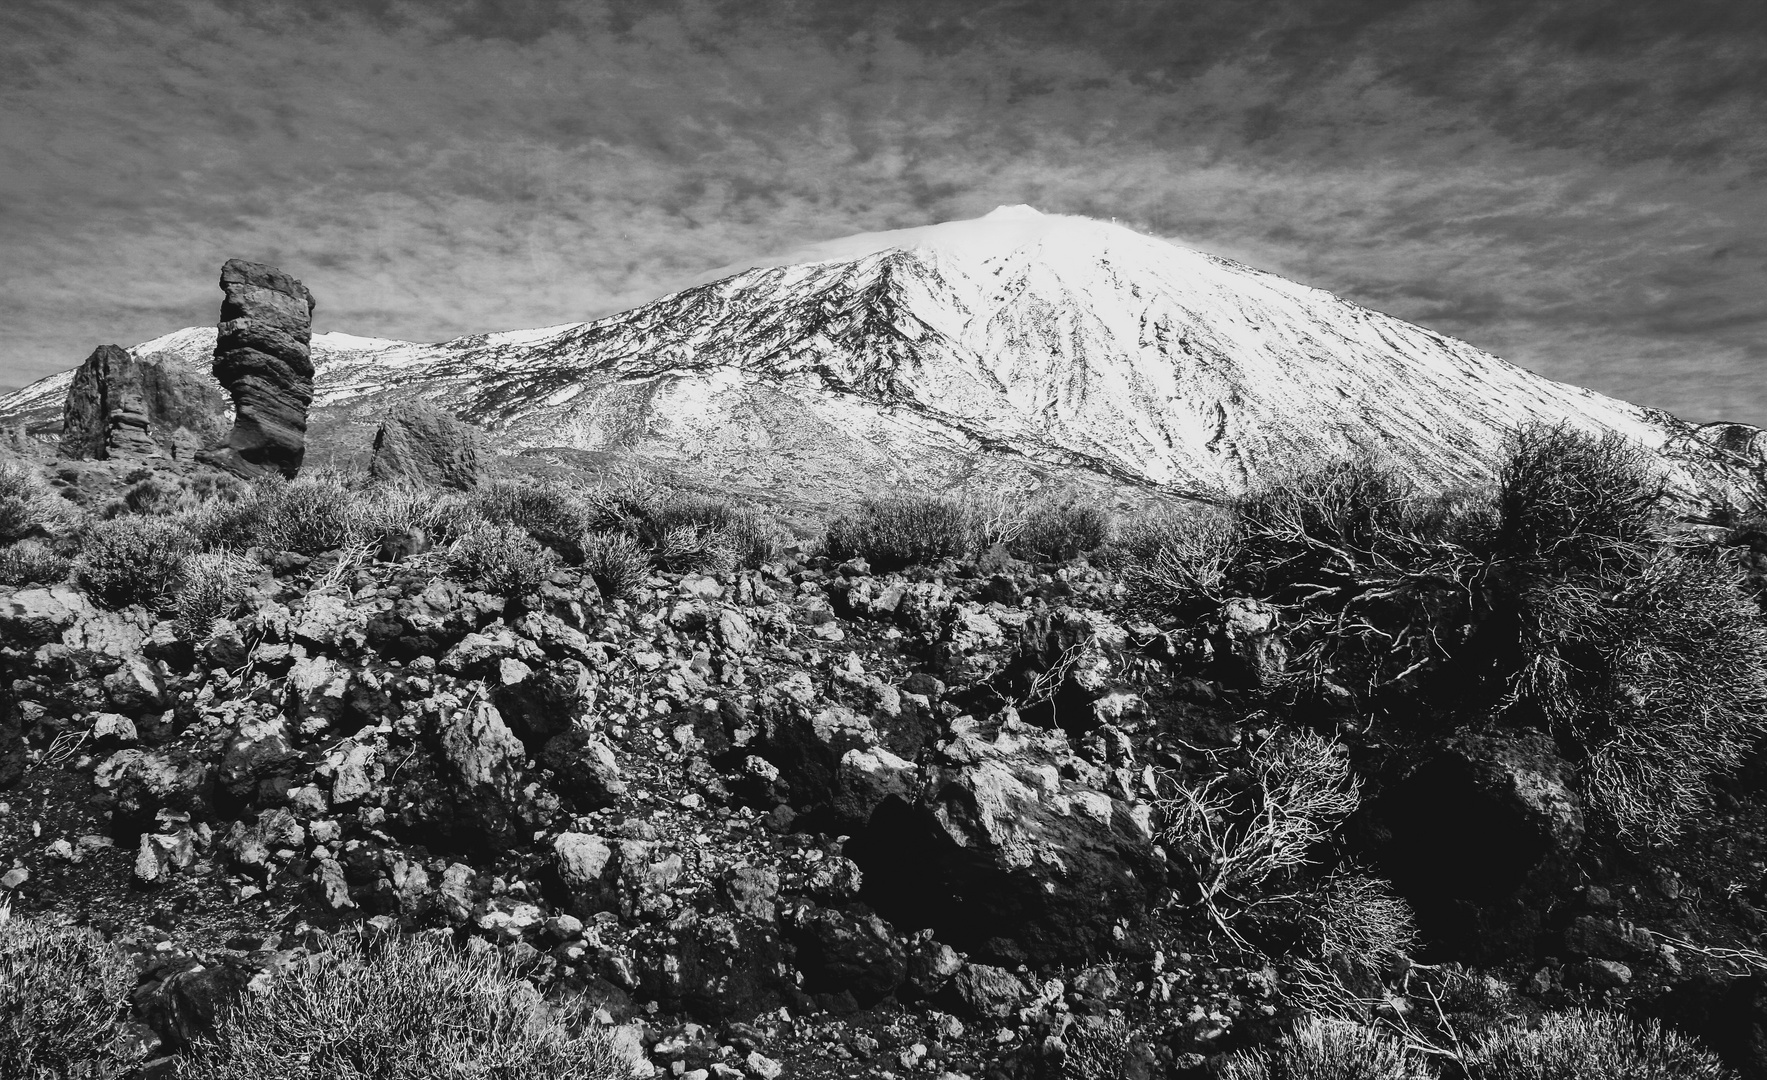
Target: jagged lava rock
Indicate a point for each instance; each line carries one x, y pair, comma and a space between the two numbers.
118, 405
261, 357
999, 844
418, 441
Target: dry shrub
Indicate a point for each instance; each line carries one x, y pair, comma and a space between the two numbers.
903, 531
64, 998
1654, 675
1179, 558
1329, 1050
1361, 923
619, 564
212, 585
32, 562
1586, 1043
132, 560
1236, 830
403, 1008
504, 560
1575, 500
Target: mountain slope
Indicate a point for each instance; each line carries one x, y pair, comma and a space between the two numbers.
1014, 344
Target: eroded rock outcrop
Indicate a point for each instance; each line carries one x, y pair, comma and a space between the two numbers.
261, 357
420, 442
119, 406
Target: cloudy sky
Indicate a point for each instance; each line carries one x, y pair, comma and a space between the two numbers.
1578, 186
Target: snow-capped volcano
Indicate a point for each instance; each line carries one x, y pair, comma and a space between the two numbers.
1015, 341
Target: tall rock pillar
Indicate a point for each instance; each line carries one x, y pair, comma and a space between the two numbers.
261, 357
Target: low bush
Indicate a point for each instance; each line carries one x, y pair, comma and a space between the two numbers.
1328, 1050
160, 495
394, 510
501, 559
619, 564
895, 533
29, 507
132, 560
32, 562
1238, 829
1057, 532
64, 998
403, 1008
211, 585
1586, 1043
308, 516
552, 513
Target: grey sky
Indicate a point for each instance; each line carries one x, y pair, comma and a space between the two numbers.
1576, 186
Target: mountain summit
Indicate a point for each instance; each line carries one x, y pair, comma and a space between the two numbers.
1014, 344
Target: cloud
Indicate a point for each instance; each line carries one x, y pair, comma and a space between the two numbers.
1574, 185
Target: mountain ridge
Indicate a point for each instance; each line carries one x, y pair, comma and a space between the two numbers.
1010, 344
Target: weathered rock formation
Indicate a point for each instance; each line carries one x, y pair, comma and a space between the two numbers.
119, 406
418, 441
261, 357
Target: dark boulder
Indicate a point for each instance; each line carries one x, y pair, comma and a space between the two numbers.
420, 442
1478, 832
841, 951
262, 358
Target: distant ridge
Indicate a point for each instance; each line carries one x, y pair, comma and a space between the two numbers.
1019, 346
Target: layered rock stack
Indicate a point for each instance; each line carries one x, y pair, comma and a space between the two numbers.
120, 406
261, 357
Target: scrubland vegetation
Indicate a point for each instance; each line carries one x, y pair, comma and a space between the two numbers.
1567, 599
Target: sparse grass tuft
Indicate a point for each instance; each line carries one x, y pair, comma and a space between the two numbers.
1574, 1045
211, 585
619, 564
1328, 1050
404, 1008
64, 997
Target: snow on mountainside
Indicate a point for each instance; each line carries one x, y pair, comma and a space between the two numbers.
926, 356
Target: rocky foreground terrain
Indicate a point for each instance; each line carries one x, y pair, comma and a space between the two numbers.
589, 761
795, 814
